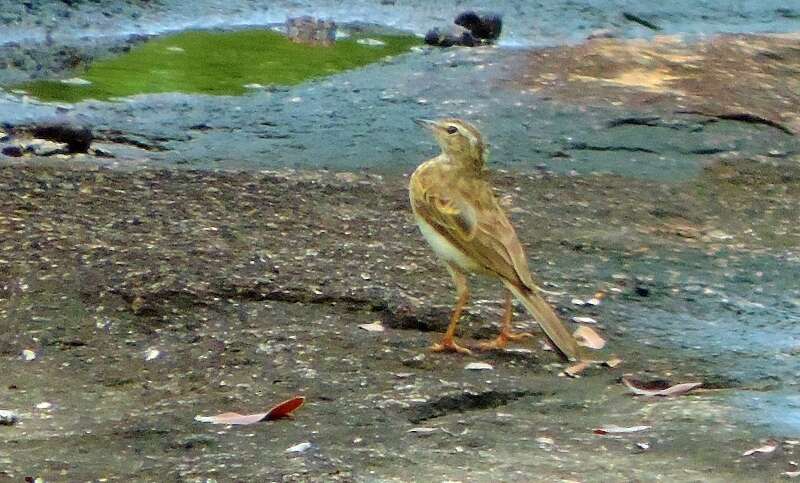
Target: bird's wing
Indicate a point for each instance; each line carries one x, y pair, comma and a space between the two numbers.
470, 218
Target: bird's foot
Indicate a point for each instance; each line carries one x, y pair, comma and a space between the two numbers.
501, 341
450, 345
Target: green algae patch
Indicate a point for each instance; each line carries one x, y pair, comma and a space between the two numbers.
217, 63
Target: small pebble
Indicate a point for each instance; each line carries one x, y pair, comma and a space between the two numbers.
373, 327
8, 418
299, 448
478, 366
76, 81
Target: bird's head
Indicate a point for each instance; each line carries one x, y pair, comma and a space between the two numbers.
460, 141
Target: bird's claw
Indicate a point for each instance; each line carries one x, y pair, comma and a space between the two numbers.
502, 340
449, 345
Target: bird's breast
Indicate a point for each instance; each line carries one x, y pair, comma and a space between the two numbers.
444, 249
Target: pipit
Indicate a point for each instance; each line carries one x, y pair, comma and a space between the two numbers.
459, 216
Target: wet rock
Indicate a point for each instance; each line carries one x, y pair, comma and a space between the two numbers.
450, 37
102, 153
485, 27
8, 418
309, 30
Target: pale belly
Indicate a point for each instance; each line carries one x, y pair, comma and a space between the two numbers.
444, 249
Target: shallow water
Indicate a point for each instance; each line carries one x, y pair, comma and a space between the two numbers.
543, 22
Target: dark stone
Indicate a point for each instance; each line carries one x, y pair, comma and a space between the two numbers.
451, 37
77, 138
13, 151
642, 291
486, 27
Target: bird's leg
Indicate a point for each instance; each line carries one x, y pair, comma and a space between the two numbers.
506, 333
447, 343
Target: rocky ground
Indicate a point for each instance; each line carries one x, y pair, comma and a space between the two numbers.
243, 289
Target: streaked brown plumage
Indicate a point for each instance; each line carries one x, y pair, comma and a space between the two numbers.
460, 217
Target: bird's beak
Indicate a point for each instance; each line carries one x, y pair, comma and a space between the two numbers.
427, 123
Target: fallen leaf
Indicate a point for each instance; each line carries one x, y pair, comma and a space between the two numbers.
587, 337
422, 430
151, 354
767, 448
614, 429
478, 366
28, 355
658, 388
232, 418
279, 411
285, 408
373, 327
576, 369
613, 362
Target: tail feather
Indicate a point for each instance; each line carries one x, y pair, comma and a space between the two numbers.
564, 343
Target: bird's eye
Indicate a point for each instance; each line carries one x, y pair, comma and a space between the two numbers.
452, 129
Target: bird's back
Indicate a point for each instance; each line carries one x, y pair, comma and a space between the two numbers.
463, 209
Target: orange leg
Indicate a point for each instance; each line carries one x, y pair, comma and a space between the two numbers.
448, 344
506, 333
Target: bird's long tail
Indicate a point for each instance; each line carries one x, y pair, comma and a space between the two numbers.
564, 343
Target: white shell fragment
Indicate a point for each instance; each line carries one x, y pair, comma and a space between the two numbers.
76, 81
373, 327
299, 448
371, 42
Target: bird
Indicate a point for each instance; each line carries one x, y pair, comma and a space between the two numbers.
458, 214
